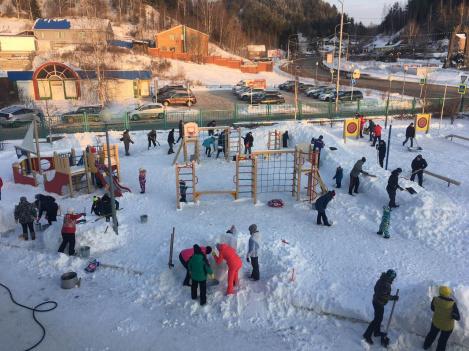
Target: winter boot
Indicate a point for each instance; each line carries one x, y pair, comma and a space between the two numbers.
368, 340
386, 236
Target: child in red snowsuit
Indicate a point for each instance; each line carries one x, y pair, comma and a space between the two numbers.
142, 179
68, 231
233, 261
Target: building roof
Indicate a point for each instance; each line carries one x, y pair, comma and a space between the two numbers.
257, 48
71, 23
127, 75
180, 25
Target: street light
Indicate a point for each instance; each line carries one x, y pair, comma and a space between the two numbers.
106, 116
317, 65
335, 36
340, 56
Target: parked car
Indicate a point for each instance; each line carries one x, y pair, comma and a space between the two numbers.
17, 113
92, 112
284, 86
305, 86
320, 92
268, 98
168, 93
329, 95
246, 94
348, 96
180, 98
170, 87
154, 110
311, 91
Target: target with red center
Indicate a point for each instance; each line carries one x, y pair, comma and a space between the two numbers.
422, 122
352, 128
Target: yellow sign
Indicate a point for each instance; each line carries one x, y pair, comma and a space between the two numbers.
422, 122
351, 127
356, 74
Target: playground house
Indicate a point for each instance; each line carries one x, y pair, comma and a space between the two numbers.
58, 81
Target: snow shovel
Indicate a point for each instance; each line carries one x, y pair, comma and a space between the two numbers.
333, 148
384, 336
411, 190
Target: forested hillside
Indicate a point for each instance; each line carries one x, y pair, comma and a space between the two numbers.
430, 16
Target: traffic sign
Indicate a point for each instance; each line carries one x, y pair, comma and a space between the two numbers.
463, 78
462, 89
356, 74
354, 81
423, 81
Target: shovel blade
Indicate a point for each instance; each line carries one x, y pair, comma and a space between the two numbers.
411, 190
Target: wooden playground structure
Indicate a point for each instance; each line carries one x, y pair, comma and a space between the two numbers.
274, 140
194, 136
294, 171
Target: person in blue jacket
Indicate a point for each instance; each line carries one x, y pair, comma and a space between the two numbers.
321, 205
208, 144
339, 174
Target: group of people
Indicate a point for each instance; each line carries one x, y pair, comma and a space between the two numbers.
199, 270
445, 312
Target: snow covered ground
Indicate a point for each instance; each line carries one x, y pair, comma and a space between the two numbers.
327, 305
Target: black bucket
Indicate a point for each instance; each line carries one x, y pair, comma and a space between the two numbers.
143, 218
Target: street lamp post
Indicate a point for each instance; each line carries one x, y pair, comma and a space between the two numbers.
340, 56
317, 65
106, 117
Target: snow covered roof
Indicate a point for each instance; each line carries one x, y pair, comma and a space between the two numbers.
256, 48
128, 75
71, 23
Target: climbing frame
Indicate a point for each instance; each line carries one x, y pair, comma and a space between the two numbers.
186, 172
274, 140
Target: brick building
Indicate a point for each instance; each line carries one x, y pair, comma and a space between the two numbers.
183, 39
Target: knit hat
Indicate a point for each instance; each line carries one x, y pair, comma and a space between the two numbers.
208, 250
232, 230
391, 274
445, 291
399, 170
141, 169
363, 159
252, 228
23, 198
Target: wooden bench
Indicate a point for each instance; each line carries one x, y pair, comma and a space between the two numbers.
446, 179
198, 194
451, 136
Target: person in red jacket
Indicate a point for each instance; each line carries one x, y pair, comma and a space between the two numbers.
1, 185
184, 257
68, 231
377, 131
227, 253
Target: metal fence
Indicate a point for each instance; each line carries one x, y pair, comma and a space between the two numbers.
242, 113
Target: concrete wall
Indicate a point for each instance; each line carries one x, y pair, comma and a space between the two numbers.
50, 39
16, 43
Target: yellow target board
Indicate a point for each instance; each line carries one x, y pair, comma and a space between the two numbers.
422, 122
351, 128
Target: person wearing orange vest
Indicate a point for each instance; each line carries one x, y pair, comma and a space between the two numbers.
227, 253
69, 229
445, 312
377, 133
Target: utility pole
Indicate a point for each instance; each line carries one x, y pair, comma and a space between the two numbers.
443, 107
389, 146
317, 65
340, 56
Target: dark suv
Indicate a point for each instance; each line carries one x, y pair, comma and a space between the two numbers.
348, 96
268, 98
179, 98
91, 111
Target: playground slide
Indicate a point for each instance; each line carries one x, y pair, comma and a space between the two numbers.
118, 188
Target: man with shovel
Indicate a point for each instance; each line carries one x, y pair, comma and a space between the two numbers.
380, 298
393, 185
418, 165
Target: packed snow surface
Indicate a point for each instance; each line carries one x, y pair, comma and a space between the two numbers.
316, 285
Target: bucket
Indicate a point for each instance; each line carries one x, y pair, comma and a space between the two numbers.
143, 218
84, 251
69, 280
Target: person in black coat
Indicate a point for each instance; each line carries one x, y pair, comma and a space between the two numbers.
321, 205
393, 185
409, 134
171, 141
381, 296
151, 136
381, 147
46, 204
211, 124
285, 138
248, 143
106, 208
181, 130
221, 144
418, 165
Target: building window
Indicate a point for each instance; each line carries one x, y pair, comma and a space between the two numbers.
42, 35
171, 37
60, 35
82, 35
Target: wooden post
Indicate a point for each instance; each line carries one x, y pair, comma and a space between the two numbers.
194, 180
178, 195
184, 146
227, 144
254, 179
177, 153
237, 177
38, 152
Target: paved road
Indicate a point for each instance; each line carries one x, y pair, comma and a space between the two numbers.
308, 69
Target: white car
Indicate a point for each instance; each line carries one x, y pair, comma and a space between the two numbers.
246, 94
19, 113
154, 110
